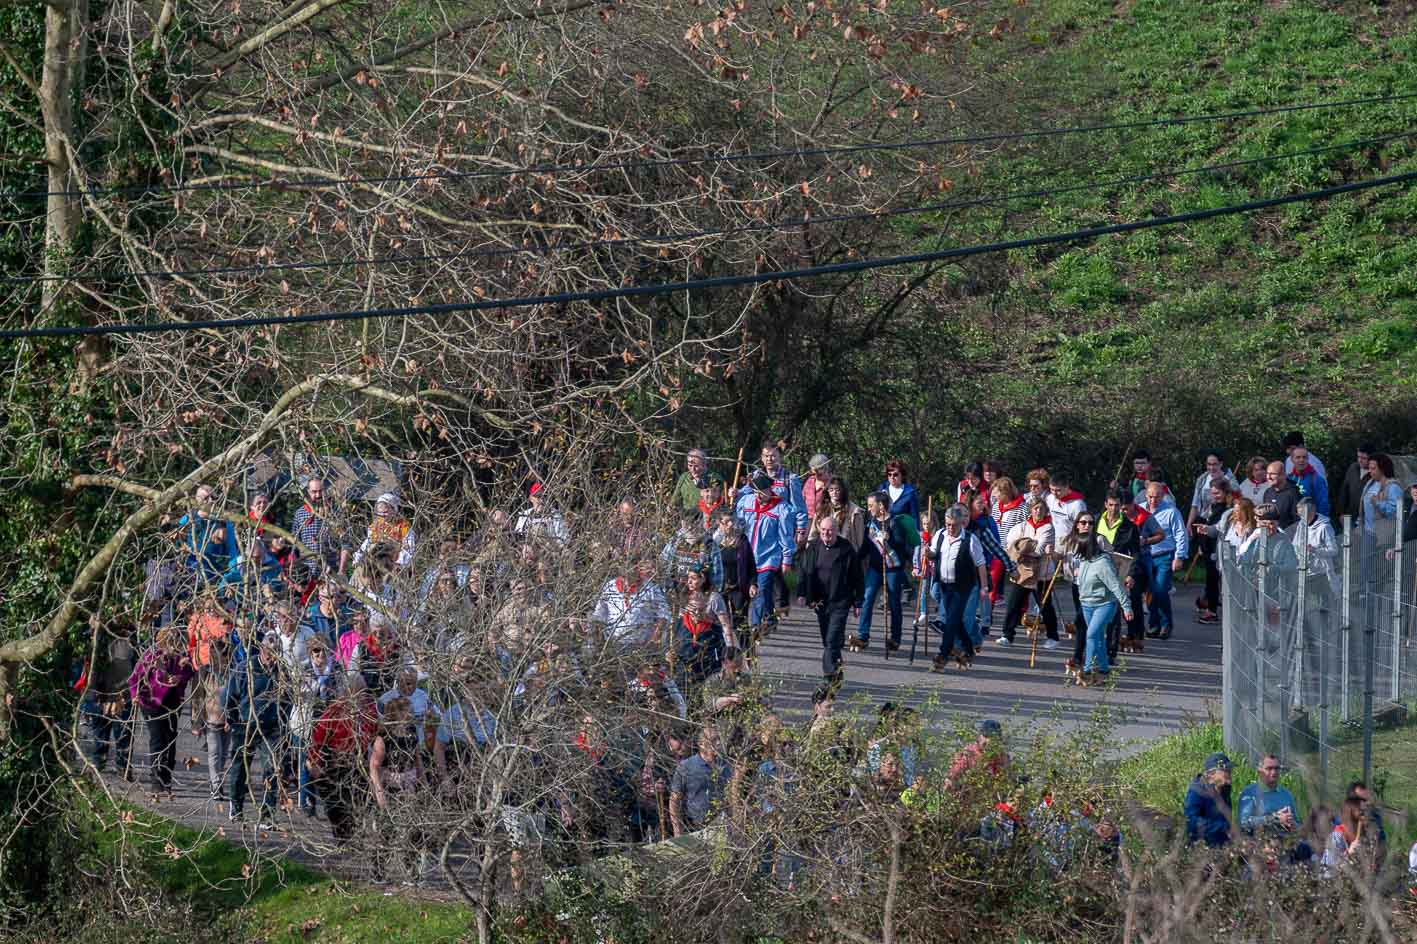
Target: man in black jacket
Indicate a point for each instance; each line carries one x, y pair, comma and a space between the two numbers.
831, 583
1280, 508
257, 713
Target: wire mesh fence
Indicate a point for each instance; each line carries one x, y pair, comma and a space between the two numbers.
1319, 666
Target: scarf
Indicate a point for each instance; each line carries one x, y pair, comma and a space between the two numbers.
695, 627
1010, 505
625, 588
1046, 519
708, 510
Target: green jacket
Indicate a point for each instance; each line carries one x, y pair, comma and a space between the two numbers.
687, 491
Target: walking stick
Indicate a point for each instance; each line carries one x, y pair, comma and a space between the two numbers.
738, 469
1038, 620
924, 581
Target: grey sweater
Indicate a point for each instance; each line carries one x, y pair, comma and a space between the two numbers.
1097, 581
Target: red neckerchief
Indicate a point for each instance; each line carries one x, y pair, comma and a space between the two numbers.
1142, 515
263, 519
626, 590
708, 510
583, 742
376, 651
1046, 519
1009, 506
310, 511
695, 627
1074, 495
761, 509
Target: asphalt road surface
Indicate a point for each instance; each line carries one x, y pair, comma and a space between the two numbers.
1173, 681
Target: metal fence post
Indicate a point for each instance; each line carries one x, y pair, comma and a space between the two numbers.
1370, 651
1262, 632
1228, 577
1346, 615
1301, 663
1396, 691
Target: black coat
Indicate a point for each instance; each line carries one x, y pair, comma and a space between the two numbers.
846, 584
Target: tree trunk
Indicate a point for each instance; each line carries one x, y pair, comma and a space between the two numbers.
64, 43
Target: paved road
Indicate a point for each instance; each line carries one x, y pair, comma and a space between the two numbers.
1169, 683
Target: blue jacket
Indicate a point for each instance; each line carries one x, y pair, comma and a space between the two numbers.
1257, 806
252, 696
1176, 541
1312, 485
787, 486
213, 560
1207, 814
907, 504
770, 531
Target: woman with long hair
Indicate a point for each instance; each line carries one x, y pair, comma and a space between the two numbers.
979, 612
1100, 593
850, 517
885, 558
158, 686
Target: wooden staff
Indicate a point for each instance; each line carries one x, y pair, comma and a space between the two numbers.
738, 469
1038, 620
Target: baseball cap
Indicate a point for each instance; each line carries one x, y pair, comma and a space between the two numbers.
1217, 761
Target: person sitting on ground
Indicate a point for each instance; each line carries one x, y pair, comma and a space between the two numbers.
1266, 808
1207, 805
699, 787
1351, 842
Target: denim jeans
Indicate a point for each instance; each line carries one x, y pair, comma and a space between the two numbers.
259, 745
895, 584
306, 794
977, 610
218, 755
762, 604
106, 729
953, 602
1160, 586
1098, 618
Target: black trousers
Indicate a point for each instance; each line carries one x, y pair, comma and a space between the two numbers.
831, 620
162, 745
1016, 598
342, 799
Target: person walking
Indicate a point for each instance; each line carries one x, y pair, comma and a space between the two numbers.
1101, 594
831, 582
158, 686
1166, 557
885, 557
1031, 545
958, 564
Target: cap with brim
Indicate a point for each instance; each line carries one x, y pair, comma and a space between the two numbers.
762, 483
1217, 761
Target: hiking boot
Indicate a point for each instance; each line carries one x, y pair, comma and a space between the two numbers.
938, 665
892, 645
856, 644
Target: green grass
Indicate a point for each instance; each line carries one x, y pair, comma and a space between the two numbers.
273, 900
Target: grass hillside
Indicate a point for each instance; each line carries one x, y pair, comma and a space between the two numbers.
1223, 332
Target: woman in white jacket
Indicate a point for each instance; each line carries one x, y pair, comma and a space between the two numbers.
1031, 545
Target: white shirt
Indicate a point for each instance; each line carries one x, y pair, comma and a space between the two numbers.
1313, 461
1064, 514
418, 702
629, 617
294, 648
548, 524
464, 724
1253, 490
895, 491
947, 551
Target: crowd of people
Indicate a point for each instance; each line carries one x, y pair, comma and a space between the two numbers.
359, 671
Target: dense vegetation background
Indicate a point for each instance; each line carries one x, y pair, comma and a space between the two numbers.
1220, 334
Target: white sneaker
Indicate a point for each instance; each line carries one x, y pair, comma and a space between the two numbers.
1050, 644
1003, 641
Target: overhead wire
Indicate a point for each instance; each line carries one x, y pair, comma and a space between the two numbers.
687, 236
732, 157
726, 281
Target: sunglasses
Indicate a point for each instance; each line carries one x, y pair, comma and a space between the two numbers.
1084, 521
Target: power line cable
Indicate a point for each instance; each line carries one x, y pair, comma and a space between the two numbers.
726, 281
276, 267
732, 157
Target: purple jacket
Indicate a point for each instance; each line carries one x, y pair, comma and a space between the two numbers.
159, 682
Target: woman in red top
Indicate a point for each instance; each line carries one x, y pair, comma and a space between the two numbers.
339, 745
